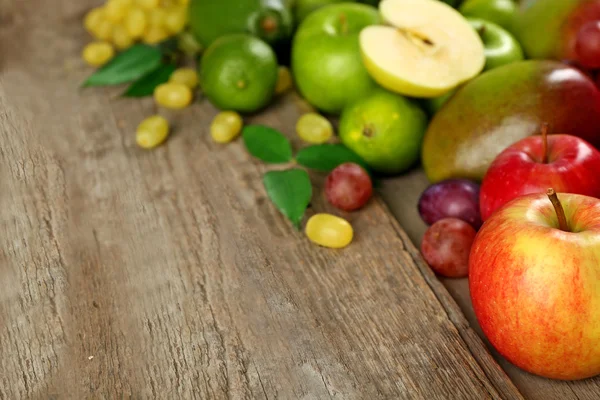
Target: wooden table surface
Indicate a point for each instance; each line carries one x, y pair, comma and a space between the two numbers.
169, 274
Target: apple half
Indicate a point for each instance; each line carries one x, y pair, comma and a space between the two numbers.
425, 49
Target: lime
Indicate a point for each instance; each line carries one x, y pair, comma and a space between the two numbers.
385, 129
270, 20
239, 72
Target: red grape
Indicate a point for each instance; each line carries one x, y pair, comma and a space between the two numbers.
446, 247
458, 198
587, 44
348, 187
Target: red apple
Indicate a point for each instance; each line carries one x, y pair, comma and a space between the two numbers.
567, 163
535, 284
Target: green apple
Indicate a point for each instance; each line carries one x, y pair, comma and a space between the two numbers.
500, 46
500, 12
385, 129
326, 62
425, 48
453, 3
302, 8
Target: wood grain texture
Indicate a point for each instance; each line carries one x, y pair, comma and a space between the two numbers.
169, 274
402, 195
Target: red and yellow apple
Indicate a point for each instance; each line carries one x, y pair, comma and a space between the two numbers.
535, 283
567, 163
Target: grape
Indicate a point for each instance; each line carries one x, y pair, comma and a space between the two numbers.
121, 37
154, 35
458, 198
329, 231
117, 9
152, 131
156, 17
97, 54
314, 128
93, 19
284, 80
587, 44
226, 126
104, 30
348, 187
187, 76
148, 4
173, 95
446, 246
175, 19
135, 22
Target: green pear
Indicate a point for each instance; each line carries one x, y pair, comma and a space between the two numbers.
500, 12
500, 46
502, 106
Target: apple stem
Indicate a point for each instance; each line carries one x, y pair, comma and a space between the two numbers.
558, 208
269, 24
545, 143
343, 24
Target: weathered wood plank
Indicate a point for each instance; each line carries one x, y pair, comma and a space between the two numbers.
169, 274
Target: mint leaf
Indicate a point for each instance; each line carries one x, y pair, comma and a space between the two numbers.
290, 191
146, 84
325, 157
127, 66
267, 144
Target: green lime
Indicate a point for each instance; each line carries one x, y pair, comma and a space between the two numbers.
385, 129
270, 20
238, 72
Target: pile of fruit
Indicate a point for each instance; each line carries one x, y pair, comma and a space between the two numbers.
498, 100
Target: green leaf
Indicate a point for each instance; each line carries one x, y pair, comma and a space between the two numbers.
267, 144
127, 66
325, 157
146, 84
290, 191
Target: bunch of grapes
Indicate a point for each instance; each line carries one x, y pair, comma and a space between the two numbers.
118, 24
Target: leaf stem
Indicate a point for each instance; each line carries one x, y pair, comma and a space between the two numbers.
558, 208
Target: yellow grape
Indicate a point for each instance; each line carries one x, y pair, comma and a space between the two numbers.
284, 80
226, 126
173, 95
104, 30
175, 19
121, 37
314, 128
117, 9
156, 17
135, 22
152, 131
148, 4
154, 35
187, 76
93, 19
97, 54
329, 231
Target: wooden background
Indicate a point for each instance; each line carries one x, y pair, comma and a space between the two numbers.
169, 274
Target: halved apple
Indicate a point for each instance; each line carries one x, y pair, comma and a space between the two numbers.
426, 49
